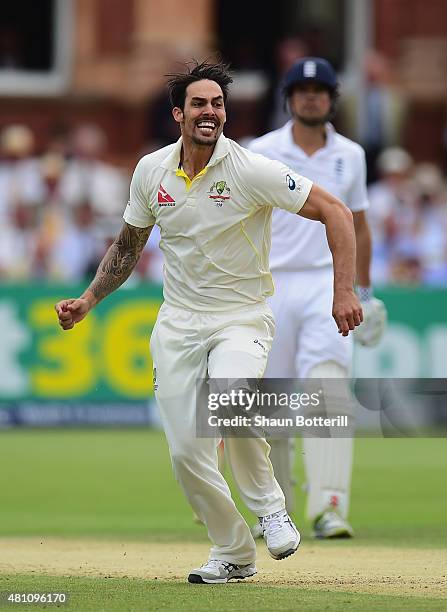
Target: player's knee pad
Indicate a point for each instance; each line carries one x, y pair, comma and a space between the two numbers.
334, 389
328, 369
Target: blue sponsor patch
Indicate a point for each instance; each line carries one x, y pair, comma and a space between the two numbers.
290, 182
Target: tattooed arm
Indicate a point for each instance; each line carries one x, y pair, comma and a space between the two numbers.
118, 263
115, 267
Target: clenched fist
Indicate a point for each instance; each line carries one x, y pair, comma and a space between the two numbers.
346, 310
72, 311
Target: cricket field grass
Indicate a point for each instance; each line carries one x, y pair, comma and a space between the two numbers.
98, 515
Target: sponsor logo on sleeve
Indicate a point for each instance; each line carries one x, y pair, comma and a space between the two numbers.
292, 184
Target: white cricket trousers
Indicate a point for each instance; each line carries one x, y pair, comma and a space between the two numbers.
307, 345
187, 346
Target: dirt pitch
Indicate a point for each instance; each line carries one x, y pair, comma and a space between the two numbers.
354, 568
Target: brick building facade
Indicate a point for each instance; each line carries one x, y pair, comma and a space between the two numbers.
120, 50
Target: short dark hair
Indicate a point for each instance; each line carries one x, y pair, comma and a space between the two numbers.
178, 82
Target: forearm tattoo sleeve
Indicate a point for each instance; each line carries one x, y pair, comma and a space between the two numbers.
119, 261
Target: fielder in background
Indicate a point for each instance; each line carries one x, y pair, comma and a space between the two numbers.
213, 202
306, 343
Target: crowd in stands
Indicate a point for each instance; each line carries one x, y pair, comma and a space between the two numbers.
408, 217
60, 210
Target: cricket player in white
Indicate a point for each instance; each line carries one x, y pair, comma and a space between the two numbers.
212, 201
306, 343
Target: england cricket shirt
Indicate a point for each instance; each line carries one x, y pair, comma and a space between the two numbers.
339, 167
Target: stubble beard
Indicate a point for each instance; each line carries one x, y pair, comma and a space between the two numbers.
204, 143
312, 121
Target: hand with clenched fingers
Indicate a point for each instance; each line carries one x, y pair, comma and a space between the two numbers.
72, 311
347, 311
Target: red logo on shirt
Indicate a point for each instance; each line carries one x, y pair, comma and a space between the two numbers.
163, 197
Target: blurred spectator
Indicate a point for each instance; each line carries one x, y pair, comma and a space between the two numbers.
18, 243
19, 172
56, 214
406, 268
390, 200
381, 118
75, 252
59, 140
51, 209
426, 230
88, 178
408, 218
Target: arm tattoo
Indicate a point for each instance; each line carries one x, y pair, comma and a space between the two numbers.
119, 261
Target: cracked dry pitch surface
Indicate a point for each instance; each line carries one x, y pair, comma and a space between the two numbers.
369, 569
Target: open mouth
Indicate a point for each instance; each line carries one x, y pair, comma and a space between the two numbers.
206, 127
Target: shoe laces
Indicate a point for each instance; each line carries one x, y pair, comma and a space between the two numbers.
274, 522
215, 564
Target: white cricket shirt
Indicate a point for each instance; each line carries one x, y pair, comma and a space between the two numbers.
339, 167
215, 230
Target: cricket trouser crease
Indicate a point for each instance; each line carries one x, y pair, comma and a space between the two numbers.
187, 346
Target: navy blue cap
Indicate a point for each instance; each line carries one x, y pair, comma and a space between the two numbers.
310, 70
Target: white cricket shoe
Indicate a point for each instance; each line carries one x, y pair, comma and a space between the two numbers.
331, 525
280, 534
216, 571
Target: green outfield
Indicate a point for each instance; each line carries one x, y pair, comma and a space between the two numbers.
97, 513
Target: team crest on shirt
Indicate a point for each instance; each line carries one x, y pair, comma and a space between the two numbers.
219, 192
